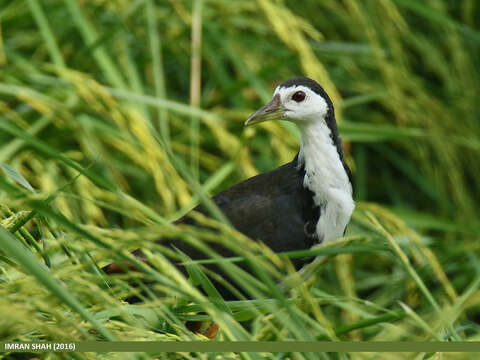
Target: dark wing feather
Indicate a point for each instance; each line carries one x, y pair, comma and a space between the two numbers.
272, 207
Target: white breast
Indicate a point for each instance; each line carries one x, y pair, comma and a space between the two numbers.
327, 179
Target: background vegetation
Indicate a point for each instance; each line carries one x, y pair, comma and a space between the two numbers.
122, 115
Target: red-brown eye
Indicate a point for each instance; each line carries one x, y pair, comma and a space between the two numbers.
298, 96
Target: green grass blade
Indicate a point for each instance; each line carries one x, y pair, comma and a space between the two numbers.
25, 258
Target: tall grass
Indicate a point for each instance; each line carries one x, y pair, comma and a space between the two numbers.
118, 117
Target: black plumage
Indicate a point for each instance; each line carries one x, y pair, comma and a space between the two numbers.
273, 207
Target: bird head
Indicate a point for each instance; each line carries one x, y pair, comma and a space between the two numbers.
300, 100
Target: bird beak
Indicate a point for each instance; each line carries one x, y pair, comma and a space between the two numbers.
271, 111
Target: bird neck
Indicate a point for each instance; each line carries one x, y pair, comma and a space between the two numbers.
327, 177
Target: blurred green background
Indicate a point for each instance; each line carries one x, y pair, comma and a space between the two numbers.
123, 113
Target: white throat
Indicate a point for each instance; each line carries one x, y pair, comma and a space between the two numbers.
326, 177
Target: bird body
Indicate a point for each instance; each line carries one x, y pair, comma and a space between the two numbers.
302, 203
299, 204
274, 207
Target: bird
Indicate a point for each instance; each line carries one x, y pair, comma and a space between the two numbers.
305, 202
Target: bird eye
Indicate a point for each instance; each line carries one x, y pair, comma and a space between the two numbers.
298, 96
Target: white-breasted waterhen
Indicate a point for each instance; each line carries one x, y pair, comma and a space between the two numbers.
300, 204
